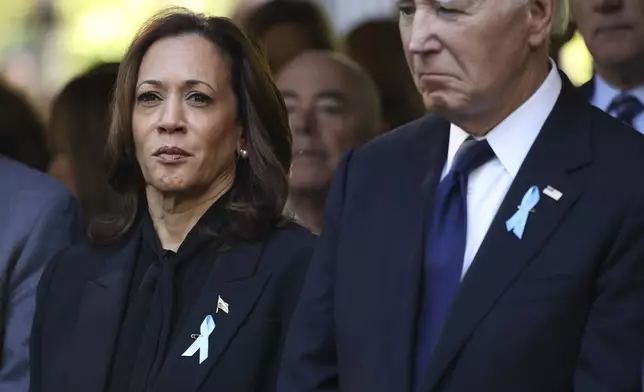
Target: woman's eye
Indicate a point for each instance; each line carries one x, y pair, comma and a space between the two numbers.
147, 97
199, 98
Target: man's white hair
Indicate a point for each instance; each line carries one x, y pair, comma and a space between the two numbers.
561, 17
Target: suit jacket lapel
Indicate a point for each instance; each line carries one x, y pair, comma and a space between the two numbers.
409, 196
562, 147
99, 320
233, 279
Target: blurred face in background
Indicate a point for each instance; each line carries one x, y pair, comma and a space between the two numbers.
614, 32
184, 120
329, 112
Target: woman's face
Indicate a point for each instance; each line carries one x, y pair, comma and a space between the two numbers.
184, 119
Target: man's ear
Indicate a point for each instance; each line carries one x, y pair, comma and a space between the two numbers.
541, 14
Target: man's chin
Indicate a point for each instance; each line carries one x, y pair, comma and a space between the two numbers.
443, 105
623, 59
437, 102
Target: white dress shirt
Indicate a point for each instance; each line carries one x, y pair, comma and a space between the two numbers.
604, 94
510, 140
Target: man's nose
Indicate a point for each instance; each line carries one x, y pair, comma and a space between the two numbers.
424, 33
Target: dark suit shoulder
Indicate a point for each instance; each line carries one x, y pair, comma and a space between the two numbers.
288, 242
80, 262
392, 155
287, 245
380, 157
286, 257
21, 178
33, 196
293, 232
618, 148
401, 137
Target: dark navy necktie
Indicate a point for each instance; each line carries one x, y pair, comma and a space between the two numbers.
445, 248
625, 107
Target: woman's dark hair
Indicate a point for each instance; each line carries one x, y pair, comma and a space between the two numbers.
305, 14
79, 123
22, 133
256, 200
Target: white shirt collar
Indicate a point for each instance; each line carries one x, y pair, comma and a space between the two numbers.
605, 93
513, 137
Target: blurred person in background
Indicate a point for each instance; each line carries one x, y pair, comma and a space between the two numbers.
332, 106
110, 68
78, 127
22, 132
191, 285
243, 8
286, 28
614, 34
376, 46
38, 219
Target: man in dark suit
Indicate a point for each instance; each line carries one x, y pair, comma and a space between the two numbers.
38, 218
614, 33
496, 247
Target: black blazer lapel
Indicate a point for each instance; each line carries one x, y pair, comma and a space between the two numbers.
409, 196
562, 148
232, 278
99, 320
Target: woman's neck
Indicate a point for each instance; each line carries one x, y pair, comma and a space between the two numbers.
174, 215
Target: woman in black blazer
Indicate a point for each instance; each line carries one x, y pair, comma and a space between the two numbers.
191, 287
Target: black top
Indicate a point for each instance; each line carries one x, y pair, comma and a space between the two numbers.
164, 287
79, 342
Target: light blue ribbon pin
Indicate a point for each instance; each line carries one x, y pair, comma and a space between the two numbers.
517, 222
201, 344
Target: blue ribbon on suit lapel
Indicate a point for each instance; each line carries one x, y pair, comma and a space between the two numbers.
201, 344
517, 222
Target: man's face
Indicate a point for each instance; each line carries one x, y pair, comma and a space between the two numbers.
612, 29
465, 54
324, 116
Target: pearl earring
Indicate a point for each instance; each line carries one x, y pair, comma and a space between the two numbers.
243, 153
